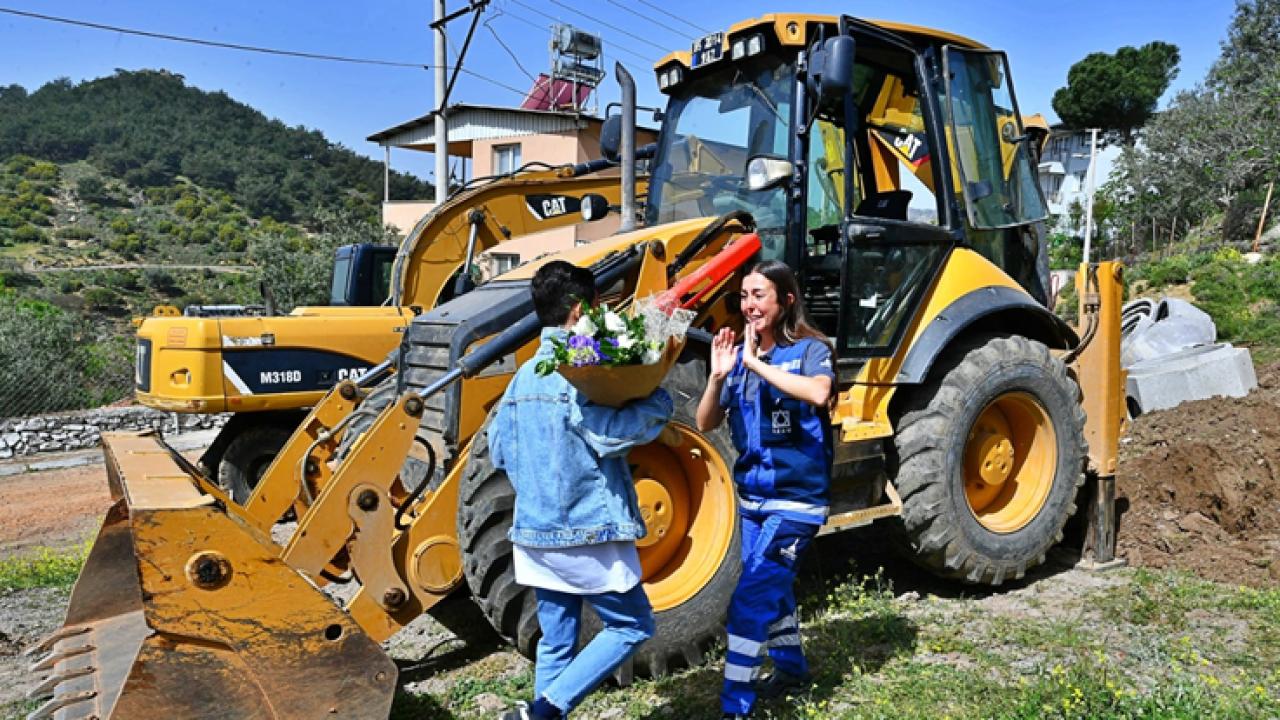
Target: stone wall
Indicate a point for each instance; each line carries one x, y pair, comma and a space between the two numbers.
79, 430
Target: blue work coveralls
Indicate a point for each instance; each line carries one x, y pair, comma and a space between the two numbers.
783, 474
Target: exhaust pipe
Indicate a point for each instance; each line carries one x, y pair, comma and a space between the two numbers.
628, 148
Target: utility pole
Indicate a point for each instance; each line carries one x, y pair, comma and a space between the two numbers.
442, 123
1088, 208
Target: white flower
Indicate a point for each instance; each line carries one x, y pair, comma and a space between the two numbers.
626, 341
584, 326
613, 323
652, 354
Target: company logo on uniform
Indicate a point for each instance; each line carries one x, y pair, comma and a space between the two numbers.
790, 552
781, 421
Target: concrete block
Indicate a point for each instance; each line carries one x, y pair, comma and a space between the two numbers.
1196, 373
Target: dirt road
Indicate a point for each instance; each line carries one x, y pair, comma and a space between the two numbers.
54, 508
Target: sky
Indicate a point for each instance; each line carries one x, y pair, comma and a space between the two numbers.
348, 102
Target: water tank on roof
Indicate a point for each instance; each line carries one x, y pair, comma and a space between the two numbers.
569, 40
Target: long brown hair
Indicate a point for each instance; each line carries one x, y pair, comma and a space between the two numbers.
793, 323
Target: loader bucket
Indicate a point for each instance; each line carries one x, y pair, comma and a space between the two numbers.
183, 610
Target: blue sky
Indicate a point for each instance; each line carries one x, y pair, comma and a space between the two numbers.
349, 102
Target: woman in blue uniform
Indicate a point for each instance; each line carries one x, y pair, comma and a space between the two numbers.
774, 390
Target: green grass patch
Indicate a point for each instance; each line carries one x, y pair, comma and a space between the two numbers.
44, 568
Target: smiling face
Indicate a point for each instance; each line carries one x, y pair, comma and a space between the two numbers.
761, 306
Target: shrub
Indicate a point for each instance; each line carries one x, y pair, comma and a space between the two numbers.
42, 171
70, 285
100, 298
74, 232
29, 234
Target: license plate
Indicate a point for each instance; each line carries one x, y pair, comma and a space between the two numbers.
708, 49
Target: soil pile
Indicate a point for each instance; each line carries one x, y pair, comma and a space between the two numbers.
1203, 487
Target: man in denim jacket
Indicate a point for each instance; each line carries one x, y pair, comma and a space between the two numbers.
576, 514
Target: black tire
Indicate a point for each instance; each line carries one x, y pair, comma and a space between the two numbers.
938, 529
247, 458
685, 633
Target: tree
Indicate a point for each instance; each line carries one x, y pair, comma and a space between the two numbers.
1117, 92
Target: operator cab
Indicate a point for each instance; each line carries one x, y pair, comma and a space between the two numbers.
841, 168
362, 275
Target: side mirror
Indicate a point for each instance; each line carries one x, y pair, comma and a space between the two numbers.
594, 207
611, 138
766, 171
837, 68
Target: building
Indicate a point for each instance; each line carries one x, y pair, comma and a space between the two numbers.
496, 140
1064, 169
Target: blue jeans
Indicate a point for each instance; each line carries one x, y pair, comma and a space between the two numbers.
564, 676
762, 611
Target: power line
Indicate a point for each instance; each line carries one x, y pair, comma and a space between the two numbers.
662, 25
552, 18
213, 43
674, 17
514, 59
253, 48
611, 27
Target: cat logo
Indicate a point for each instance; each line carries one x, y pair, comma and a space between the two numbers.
546, 207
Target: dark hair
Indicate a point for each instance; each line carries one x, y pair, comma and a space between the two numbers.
793, 323
557, 287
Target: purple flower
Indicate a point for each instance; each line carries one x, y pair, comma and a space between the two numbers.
583, 350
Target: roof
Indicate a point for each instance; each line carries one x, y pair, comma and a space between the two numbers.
482, 122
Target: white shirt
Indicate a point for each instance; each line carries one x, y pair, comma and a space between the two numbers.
581, 570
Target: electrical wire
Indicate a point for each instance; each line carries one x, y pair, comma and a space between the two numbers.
675, 17
662, 25
514, 58
213, 43
252, 48
552, 18
543, 28
615, 28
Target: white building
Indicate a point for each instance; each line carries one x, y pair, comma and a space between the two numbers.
1064, 169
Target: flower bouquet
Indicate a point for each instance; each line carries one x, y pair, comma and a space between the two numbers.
613, 359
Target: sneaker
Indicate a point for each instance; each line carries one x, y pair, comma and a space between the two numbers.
780, 683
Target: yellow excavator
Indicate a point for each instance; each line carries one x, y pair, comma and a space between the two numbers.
267, 370
886, 162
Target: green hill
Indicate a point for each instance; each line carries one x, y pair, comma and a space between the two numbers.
126, 192
148, 127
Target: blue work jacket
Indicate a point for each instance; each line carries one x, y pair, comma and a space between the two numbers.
567, 458
784, 444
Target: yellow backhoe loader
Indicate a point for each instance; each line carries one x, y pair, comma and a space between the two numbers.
967, 419
267, 370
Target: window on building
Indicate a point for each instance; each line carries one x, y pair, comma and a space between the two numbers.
504, 262
506, 158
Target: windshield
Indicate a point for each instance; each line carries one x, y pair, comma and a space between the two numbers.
713, 125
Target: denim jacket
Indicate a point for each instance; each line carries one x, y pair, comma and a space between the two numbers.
567, 458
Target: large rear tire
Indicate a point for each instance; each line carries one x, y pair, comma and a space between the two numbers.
989, 456
690, 567
247, 458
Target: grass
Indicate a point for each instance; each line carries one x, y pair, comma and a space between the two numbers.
1142, 645
45, 568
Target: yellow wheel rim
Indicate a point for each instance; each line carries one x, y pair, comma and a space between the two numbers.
687, 502
1010, 459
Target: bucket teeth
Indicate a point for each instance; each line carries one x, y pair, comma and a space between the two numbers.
45, 689
46, 711
54, 658
47, 643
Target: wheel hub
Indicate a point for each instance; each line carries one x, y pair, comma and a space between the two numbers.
1010, 460
657, 510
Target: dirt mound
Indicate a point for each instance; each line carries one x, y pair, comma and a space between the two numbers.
1203, 487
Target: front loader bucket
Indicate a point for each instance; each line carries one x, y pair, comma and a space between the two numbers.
183, 610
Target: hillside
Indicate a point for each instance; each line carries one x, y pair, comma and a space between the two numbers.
135, 190
148, 127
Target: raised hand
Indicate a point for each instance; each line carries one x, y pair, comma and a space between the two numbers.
723, 355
